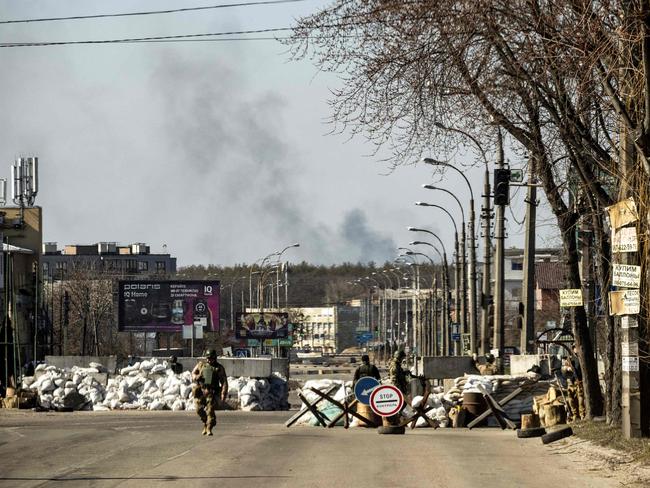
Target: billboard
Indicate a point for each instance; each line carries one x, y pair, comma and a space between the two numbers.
167, 306
262, 326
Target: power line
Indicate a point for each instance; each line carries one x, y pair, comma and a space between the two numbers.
142, 39
151, 12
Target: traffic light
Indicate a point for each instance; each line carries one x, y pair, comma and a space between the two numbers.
501, 186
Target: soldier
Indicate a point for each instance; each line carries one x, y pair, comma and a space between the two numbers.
396, 373
211, 380
366, 369
487, 369
175, 366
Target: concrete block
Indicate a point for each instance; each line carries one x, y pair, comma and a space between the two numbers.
109, 362
442, 367
520, 363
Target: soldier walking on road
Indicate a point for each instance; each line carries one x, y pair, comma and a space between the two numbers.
212, 385
366, 369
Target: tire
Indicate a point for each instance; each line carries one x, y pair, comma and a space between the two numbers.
391, 429
533, 432
556, 435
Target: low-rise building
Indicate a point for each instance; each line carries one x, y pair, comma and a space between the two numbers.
105, 258
327, 329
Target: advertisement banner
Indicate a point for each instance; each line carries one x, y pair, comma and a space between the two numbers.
262, 325
622, 213
571, 297
167, 306
624, 240
626, 275
624, 302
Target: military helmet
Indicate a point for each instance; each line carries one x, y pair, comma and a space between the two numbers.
399, 354
489, 357
211, 354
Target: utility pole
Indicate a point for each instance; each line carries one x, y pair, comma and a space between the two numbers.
434, 318
499, 236
629, 332
463, 280
486, 295
528, 292
457, 285
473, 309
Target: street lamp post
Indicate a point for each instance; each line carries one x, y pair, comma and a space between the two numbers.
444, 326
472, 254
429, 339
457, 271
445, 288
463, 261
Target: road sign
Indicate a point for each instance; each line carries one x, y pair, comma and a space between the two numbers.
363, 389
571, 297
386, 400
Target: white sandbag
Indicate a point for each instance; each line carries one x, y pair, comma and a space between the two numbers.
47, 385
100, 408
158, 368
156, 405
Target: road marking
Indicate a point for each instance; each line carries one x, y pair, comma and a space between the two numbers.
178, 455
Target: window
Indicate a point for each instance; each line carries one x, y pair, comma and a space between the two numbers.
46, 268
517, 266
160, 267
143, 266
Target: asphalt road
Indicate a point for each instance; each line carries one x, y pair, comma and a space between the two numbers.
253, 449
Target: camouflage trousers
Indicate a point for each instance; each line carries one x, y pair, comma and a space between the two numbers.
206, 404
576, 400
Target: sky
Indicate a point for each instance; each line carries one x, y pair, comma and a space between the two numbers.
216, 152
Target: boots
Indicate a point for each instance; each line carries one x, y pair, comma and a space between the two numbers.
209, 430
205, 430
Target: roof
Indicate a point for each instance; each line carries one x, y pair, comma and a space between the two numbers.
550, 275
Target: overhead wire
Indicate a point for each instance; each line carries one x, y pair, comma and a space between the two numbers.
150, 12
142, 39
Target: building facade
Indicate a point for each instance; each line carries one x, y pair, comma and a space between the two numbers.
105, 258
326, 329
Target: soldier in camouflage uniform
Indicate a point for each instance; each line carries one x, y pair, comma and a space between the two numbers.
366, 369
211, 384
487, 369
397, 374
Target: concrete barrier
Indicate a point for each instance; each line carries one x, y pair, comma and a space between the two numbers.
443, 367
109, 362
248, 367
520, 363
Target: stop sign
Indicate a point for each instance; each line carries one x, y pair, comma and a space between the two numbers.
386, 400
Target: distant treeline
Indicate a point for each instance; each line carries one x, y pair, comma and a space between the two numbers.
309, 285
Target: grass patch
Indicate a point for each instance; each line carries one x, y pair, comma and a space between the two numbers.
604, 435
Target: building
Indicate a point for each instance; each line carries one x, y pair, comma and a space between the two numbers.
326, 329
106, 258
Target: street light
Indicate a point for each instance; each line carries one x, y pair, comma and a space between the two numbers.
457, 270
463, 247
472, 239
445, 290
